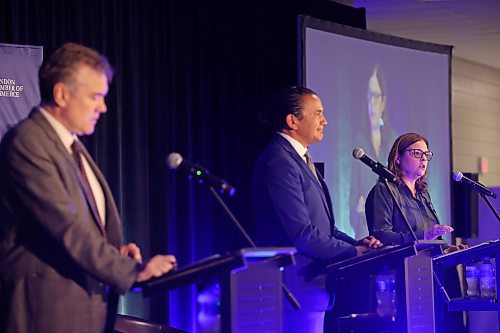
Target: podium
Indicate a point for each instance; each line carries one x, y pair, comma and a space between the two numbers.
472, 254
129, 324
411, 265
251, 286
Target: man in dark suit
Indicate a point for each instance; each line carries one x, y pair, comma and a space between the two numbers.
62, 262
293, 206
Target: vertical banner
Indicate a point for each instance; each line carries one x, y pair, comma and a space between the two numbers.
19, 90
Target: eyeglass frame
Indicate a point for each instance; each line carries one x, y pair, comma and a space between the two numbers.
420, 151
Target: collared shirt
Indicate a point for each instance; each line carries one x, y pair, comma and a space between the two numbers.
67, 138
299, 148
417, 207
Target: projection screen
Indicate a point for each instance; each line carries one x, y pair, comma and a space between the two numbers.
369, 80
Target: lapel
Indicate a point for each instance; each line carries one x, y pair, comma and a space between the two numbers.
319, 182
112, 225
428, 202
37, 117
399, 197
85, 189
326, 192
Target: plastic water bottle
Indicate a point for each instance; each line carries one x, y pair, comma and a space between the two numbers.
385, 286
472, 276
209, 313
487, 278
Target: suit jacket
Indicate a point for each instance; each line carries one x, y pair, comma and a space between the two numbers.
57, 271
387, 222
293, 208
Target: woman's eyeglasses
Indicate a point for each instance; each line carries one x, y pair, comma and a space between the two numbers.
418, 153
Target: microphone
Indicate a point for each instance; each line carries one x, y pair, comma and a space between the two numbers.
376, 167
175, 161
476, 186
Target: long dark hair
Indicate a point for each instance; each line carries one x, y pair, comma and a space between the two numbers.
398, 148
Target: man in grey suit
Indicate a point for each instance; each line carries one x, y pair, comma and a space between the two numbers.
62, 262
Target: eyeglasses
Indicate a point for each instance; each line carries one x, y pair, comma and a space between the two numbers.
374, 96
418, 153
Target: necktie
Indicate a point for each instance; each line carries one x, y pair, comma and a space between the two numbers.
77, 149
310, 164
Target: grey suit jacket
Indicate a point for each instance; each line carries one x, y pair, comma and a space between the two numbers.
57, 271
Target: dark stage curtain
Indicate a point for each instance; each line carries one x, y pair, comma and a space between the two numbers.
190, 77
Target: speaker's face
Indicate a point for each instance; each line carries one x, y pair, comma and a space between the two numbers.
413, 161
376, 101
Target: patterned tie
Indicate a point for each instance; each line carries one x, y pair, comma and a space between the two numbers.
77, 149
310, 164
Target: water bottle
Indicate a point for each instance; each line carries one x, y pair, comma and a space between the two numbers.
385, 286
472, 276
487, 278
209, 313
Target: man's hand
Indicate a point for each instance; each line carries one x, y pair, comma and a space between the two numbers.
132, 250
370, 242
157, 266
436, 231
361, 249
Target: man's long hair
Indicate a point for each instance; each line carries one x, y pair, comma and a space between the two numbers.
286, 101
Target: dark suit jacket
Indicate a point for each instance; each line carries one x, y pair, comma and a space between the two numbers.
57, 271
294, 209
387, 222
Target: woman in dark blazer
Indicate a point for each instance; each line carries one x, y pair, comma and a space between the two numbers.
408, 159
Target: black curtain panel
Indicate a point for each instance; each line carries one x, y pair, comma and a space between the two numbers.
191, 77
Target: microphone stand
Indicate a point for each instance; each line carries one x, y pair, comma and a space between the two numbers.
416, 241
393, 196
288, 294
490, 205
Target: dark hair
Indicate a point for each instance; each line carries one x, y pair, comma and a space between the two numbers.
62, 64
286, 101
398, 148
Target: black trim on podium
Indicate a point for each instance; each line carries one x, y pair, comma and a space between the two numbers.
129, 324
251, 286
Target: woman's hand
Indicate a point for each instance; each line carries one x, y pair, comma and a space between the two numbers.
436, 231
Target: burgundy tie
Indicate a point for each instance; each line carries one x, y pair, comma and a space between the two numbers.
77, 155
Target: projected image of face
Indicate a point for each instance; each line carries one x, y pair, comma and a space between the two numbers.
376, 100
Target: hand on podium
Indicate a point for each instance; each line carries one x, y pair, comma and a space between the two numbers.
436, 231
157, 266
454, 248
367, 244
